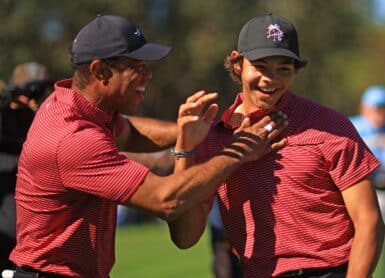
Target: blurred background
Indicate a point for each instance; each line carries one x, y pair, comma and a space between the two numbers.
344, 41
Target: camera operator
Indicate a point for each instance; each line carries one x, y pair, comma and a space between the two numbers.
28, 87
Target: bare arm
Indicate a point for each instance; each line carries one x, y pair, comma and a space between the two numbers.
188, 228
362, 206
142, 134
160, 163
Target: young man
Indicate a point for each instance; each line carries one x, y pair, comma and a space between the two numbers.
308, 209
71, 175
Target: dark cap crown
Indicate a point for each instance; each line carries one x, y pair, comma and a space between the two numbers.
268, 35
111, 36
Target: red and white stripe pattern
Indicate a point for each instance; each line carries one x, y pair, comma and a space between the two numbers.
285, 211
70, 179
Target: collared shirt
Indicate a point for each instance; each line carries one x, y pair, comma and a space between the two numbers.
285, 211
70, 179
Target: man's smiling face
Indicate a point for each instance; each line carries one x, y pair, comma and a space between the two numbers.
265, 80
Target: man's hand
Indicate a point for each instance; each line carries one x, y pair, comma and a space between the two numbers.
251, 142
194, 120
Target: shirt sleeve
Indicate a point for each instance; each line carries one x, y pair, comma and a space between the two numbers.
88, 161
348, 158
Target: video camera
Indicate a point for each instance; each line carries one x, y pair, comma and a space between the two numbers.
33, 89
36, 89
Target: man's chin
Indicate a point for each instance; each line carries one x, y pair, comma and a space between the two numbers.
131, 111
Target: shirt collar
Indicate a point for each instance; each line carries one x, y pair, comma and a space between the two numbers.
254, 116
81, 105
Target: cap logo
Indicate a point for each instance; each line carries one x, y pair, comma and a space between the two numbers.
137, 33
274, 32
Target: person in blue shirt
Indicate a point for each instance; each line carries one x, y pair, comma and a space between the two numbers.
370, 124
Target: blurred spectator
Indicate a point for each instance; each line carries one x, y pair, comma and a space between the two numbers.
28, 86
3, 92
370, 124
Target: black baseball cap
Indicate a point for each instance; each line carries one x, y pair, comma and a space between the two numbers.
110, 36
269, 35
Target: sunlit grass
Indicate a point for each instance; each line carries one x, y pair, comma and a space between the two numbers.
147, 251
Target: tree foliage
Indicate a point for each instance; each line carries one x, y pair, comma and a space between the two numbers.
343, 46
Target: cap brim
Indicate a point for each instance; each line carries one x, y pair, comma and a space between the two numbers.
150, 52
267, 52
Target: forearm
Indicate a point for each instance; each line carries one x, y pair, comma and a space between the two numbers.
188, 228
366, 249
361, 204
198, 182
151, 134
160, 163
172, 196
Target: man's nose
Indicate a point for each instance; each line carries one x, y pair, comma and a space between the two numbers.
269, 74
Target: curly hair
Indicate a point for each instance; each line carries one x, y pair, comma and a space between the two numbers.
229, 66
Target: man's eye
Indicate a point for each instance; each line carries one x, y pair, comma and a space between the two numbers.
140, 68
285, 69
259, 66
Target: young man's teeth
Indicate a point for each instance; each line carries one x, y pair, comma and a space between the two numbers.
267, 90
140, 90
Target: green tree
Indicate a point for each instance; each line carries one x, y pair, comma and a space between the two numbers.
342, 45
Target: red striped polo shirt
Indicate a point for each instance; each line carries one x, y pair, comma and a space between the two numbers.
70, 179
285, 211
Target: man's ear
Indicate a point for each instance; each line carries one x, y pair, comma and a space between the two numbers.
237, 67
100, 71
